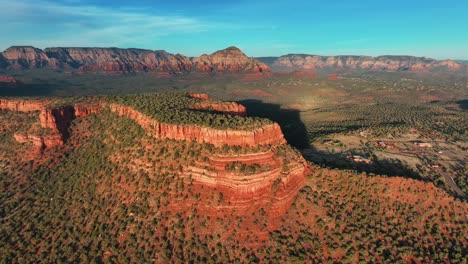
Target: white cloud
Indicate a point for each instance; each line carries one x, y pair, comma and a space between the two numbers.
44, 23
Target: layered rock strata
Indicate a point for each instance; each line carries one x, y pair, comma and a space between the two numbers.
114, 60
231, 59
267, 179
273, 185
7, 79
264, 135
313, 63
58, 120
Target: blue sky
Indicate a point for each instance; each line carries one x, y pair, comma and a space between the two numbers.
432, 28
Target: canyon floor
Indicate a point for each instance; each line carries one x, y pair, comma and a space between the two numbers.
374, 168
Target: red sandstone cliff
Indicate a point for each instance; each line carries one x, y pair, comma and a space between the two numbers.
7, 79
312, 63
119, 60
59, 118
41, 142
161, 63
56, 120
23, 105
272, 186
26, 57
230, 108
265, 135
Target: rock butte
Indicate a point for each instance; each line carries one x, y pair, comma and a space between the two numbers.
312, 63
231, 59
273, 189
58, 119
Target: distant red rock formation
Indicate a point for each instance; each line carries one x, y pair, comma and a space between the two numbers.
303, 62
230, 108
231, 59
41, 142
199, 95
332, 77
273, 188
265, 135
57, 119
7, 79
278, 174
115, 60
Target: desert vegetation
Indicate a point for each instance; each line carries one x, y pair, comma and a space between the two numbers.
174, 108
115, 194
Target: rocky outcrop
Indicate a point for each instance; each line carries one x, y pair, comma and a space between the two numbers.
230, 108
270, 181
312, 63
41, 142
56, 120
199, 96
266, 135
26, 57
231, 59
7, 79
266, 174
23, 105
163, 64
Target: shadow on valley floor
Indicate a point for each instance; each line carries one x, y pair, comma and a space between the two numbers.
291, 124
463, 104
296, 134
27, 90
386, 167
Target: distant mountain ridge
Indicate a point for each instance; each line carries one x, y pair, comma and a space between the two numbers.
231, 59
317, 63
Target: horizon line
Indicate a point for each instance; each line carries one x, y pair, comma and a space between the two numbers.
267, 56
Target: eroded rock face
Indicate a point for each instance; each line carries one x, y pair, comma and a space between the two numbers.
20, 57
119, 60
115, 60
41, 142
230, 108
272, 187
7, 79
55, 120
271, 181
312, 63
231, 59
23, 105
266, 135
58, 119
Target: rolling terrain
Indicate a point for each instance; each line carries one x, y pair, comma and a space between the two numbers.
331, 64
123, 155
121, 179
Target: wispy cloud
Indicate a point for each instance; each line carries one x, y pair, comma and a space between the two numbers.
45, 23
